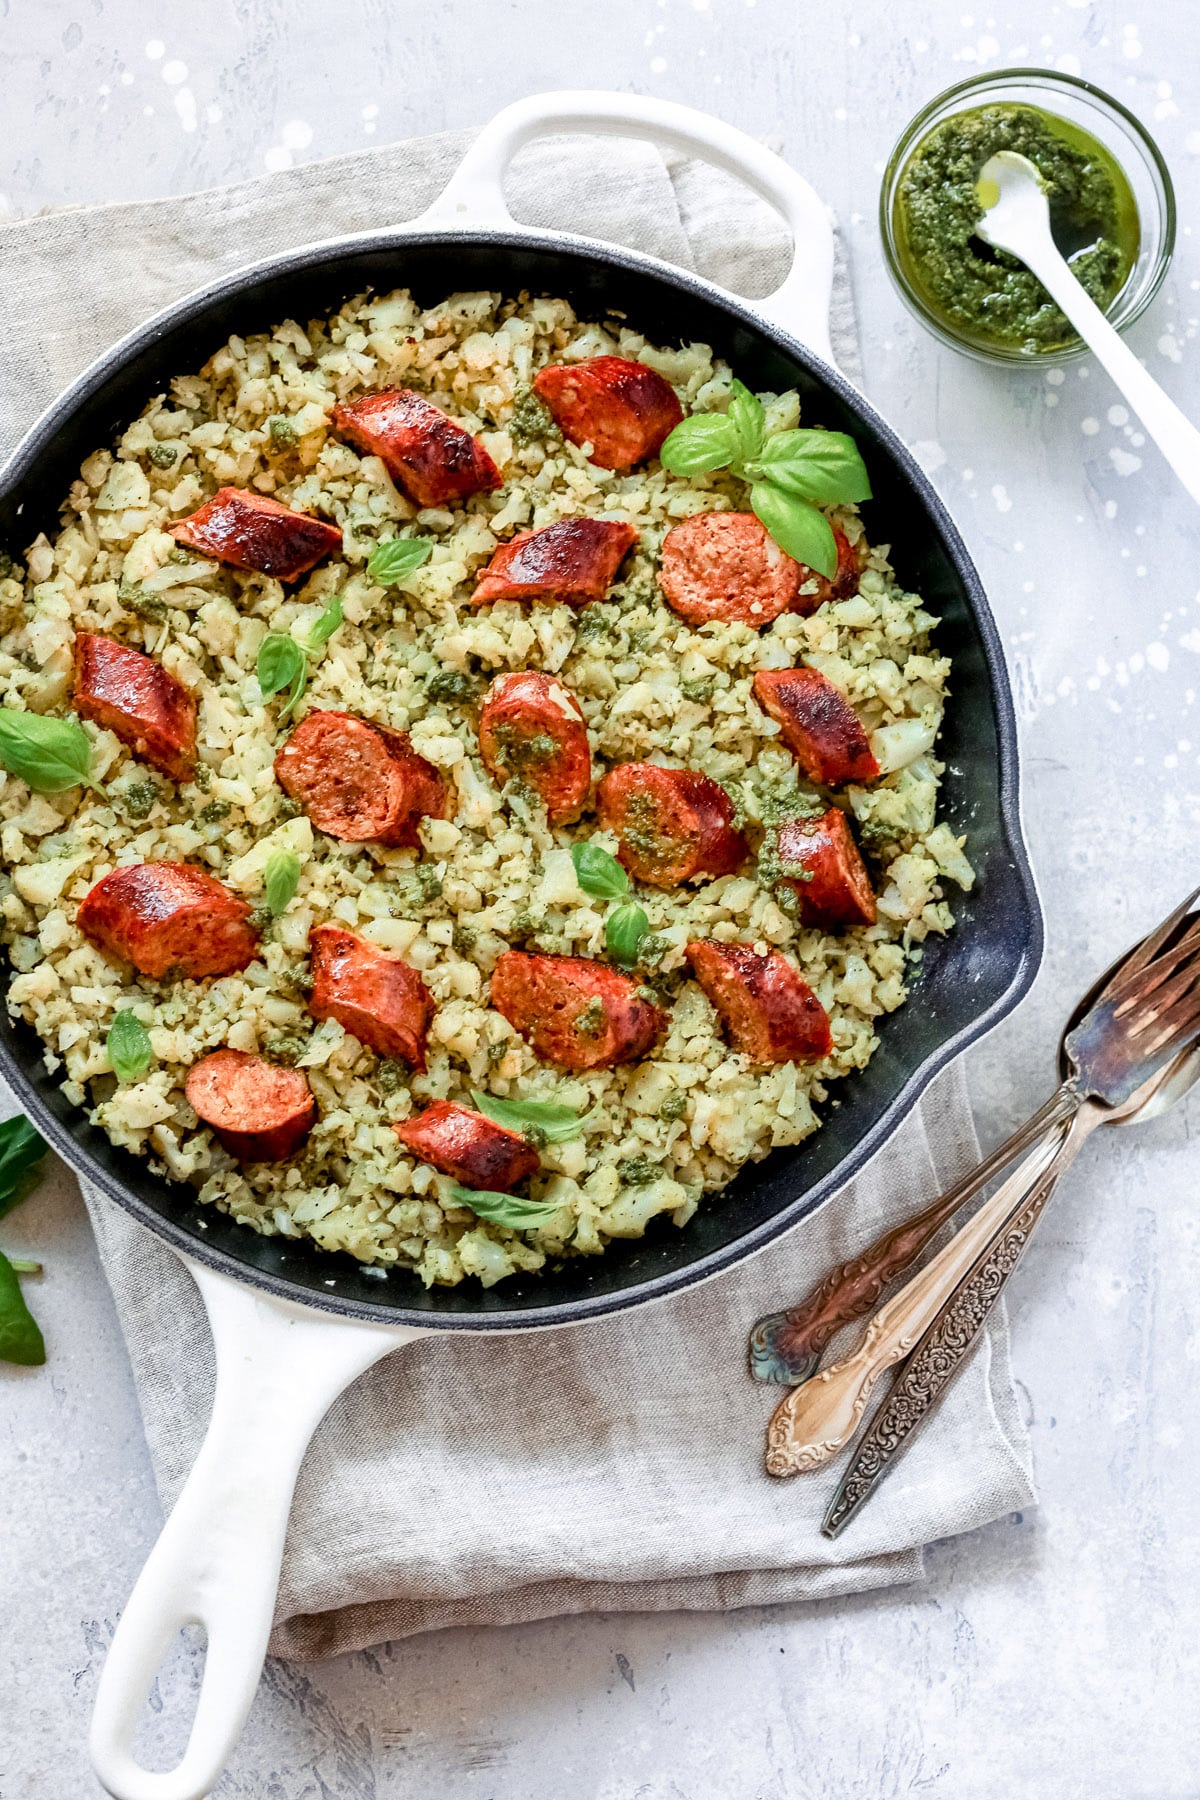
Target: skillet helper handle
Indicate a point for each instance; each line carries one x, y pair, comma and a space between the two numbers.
216, 1563
785, 1347
474, 196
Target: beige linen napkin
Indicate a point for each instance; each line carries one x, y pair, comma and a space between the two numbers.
617, 1466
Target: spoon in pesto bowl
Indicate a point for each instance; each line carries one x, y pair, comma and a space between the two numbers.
1016, 218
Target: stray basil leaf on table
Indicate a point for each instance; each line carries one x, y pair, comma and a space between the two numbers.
21, 1339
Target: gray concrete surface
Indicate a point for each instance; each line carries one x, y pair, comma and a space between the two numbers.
1052, 1655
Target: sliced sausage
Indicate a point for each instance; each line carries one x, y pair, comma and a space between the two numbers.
723, 565
256, 1110
360, 782
428, 455
531, 729
377, 998
250, 531
164, 915
469, 1147
843, 583
821, 862
674, 824
137, 698
622, 409
575, 1013
770, 1014
573, 560
818, 725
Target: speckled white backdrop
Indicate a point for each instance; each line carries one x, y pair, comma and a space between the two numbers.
1050, 1656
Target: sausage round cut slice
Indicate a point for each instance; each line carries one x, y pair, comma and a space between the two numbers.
428, 455
137, 698
360, 782
256, 1110
531, 729
818, 725
844, 582
164, 915
770, 1014
573, 560
674, 824
723, 565
377, 998
573, 1012
623, 409
469, 1147
830, 877
251, 531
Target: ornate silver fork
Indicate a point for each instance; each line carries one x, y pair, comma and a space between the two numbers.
786, 1346
1127, 1045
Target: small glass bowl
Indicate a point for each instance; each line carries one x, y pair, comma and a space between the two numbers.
1126, 140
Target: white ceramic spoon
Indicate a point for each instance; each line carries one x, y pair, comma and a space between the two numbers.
1017, 219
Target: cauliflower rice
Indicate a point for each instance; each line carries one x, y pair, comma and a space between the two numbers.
667, 1132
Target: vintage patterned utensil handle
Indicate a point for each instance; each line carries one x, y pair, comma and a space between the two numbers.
785, 1347
937, 1359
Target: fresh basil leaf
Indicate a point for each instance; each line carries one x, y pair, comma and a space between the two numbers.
396, 559
280, 661
503, 1209
749, 421
797, 527
700, 444
49, 755
624, 931
281, 880
598, 873
822, 466
22, 1148
128, 1046
20, 1339
554, 1123
324, 628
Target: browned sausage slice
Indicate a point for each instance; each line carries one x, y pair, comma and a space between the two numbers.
844, 582
818, 725
250, 531
163, 915
428, 455
674, 824
531, 729
573, 560
258, 1111
575, 1013
472, 1149
723, 565
830, 878
771, 1015
623, 409
137, 698
377, 998
360, 782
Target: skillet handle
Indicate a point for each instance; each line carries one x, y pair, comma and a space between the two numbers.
474, 196
216, 1563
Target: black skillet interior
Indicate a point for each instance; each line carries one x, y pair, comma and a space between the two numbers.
966, 982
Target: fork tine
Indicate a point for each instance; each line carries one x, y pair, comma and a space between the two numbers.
1149, 947
1148, 1009
1126, 988
1173, 1028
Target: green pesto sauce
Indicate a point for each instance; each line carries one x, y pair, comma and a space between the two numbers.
986, 295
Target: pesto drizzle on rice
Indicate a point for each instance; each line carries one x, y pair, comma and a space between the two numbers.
659, 1135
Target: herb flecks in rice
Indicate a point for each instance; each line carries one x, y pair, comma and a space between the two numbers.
417, 658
